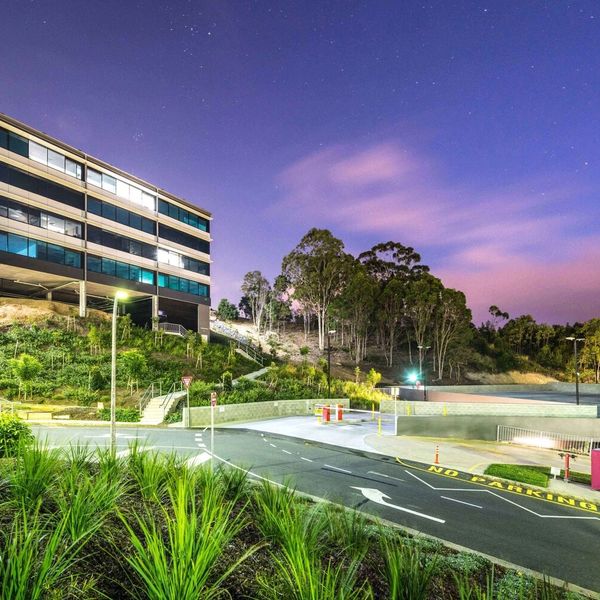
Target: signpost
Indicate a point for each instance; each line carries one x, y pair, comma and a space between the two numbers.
213, 403
187, 380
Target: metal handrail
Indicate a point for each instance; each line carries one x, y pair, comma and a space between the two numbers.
173, 329
176, 386
149, 393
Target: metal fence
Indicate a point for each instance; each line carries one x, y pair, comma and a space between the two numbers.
545, 439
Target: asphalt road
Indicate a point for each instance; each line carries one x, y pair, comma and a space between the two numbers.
559, 540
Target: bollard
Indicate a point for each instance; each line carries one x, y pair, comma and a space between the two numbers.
436, 460
340, 412
379, 426
445, 411
372, 411
326, 414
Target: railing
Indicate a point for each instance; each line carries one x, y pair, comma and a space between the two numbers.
176, 386
173, 329
149, 393
545, 439
252, 352
242, 342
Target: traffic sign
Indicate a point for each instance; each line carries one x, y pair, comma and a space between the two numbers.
186, 380
213, 398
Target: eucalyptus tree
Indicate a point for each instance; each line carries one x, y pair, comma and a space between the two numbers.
316, 270
256, 288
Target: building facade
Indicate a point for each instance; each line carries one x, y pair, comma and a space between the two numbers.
75, 229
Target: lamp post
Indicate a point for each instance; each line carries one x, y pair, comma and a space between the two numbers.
119, 295
422, 353
330, 332
575, 340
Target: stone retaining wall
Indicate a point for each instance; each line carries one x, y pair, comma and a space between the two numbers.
253, 411
533, 409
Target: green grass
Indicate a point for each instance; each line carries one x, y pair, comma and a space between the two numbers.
534, 474
522, 473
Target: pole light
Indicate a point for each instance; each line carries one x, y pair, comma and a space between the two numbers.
119, 295
329, 334
422, 353
575, 340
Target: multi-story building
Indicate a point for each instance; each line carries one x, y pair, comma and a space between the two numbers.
75, 229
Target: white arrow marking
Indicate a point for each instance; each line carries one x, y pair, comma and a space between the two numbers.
379, 497
198, 460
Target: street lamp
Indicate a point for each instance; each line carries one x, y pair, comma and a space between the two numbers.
329, 334
422, 353
120, 295
575, 340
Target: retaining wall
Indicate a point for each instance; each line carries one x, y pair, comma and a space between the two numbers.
532, 409
557, 386
253, 411
484, 427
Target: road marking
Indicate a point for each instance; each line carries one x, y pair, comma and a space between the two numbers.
197, 460
306, 459
286, 451
461, 502
473, 467
273, 445
337, 469
384, 475
201, 445
506, 486
380, 498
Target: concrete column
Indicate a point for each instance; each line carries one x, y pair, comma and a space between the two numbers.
154, 311
49, 295
82, 299
202, 314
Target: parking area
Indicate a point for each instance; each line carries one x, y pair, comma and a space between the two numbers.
546, 396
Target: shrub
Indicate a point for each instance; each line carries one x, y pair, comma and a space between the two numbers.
125, 415
13, 433
525, 474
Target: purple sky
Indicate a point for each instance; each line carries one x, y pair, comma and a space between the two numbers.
469, 130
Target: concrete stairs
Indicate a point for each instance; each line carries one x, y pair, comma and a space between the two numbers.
159, 407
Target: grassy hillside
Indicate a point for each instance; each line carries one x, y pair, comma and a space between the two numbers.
73, 357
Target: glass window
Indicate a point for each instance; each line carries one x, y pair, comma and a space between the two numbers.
135, 221
122, 189
3, 234
109, 211
148, 201
56, 224
148, 226
18, 144
34, 217
194, 288
122, 270
56, 160
38, 153
108, 266
173, 212
73, 228
162, 280
73, 259
73, 169
94, 264
135, 273
109, 183
94, 177
3, 138
135, 248
18, 214
94, 206
163, 255
55, 253
147, 277
17, 244
32, 246
3, 208
135, 194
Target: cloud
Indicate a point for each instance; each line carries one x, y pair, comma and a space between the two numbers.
511, 243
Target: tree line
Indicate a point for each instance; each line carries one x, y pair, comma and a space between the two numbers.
385, 303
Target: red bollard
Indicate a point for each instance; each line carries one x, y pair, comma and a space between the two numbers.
326, 414
340, 412
436, 460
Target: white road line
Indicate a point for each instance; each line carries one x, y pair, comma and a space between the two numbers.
337, 469
384, 475
286, 451
273, 445
198, 459
461, 502
201, 445
306, 459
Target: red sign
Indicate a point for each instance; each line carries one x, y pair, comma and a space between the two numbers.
187, 380
213, 398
